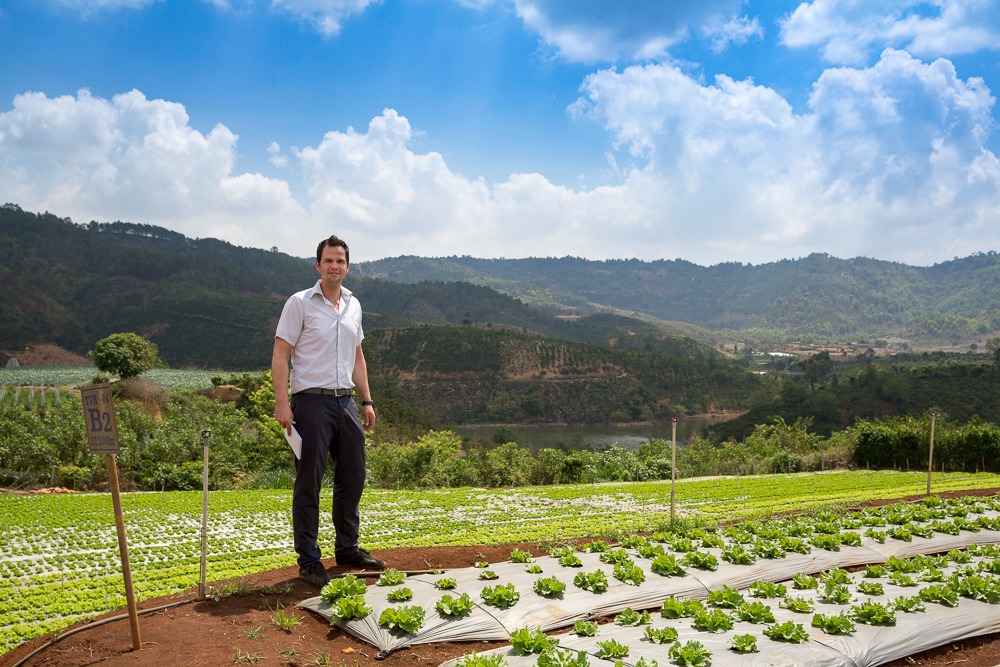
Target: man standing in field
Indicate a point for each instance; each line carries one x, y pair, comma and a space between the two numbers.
319, 334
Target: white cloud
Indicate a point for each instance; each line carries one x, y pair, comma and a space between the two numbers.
736, 30
135, 159
374, 184
889, 161
277, 158
600, 31
851, 31
886, 161
326, 16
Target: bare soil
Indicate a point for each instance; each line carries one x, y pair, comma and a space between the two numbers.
45, 354
238, 629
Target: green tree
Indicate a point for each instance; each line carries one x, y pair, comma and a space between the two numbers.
124, 354
993, 347
816, 368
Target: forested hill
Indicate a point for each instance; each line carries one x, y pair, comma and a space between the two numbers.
207, 303
817, 295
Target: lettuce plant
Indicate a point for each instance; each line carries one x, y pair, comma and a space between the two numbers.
744, 644
477, 660
390, 577
798, 604
629, 573
714, 620
595, 582
660, 635
400, 594
501, 595
339, 587
549, 587
407, 619
755, 612
348, 607
833, 624
556, 657
789, 631
452, 607
873, 613
632, 618
767, 589
611, 649
527, 641
690, 654
667, 565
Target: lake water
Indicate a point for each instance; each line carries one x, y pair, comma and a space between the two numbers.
599, 436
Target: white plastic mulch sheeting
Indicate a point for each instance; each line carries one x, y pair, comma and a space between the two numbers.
866, 646
487, 623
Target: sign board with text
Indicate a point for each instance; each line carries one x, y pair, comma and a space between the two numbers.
99, 415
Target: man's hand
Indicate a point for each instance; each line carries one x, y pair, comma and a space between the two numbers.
280, 357
283, 413
368, 417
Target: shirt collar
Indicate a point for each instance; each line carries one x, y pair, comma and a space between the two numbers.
345, 294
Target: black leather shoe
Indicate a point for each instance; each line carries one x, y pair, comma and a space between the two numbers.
315, 574
362, 559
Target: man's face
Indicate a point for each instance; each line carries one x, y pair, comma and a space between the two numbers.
332, 265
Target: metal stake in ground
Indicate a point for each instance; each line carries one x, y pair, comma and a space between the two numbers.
206, 436
102, 438
930, 454
673, 465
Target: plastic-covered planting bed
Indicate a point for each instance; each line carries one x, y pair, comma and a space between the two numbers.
534, 610
930, 622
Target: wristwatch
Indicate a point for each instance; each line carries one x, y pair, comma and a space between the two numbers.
371, 403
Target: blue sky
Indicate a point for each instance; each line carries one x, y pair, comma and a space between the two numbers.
709, 130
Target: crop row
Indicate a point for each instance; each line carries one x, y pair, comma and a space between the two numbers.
643, 569
62, 376
50, 540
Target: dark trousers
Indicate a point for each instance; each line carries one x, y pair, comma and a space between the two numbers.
329, 426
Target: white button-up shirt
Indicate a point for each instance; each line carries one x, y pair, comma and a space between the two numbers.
324, 339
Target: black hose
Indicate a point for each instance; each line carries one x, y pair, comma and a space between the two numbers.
59, 637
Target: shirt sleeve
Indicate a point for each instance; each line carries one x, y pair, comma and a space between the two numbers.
290, 322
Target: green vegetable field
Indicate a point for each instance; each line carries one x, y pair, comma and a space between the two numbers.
59, 559
61, 376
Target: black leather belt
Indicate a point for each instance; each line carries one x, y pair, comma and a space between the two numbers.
322, 390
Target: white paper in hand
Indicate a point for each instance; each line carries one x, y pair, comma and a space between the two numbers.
294, 441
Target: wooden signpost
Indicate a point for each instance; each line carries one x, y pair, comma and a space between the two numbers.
102, 438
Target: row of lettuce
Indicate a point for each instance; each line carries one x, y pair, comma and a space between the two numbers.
60, 561
44, 443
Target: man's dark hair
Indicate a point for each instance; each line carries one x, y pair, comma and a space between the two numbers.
333, 242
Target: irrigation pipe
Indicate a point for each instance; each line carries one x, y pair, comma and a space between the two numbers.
94, 624
142, 612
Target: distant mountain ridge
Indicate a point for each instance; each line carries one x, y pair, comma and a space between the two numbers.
578, 341
818, 295
207, 303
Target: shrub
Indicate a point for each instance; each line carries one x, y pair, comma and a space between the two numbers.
124, 354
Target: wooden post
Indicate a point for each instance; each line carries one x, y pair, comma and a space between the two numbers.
673, 468
930, 454
206, 435
102, 438
133, 614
